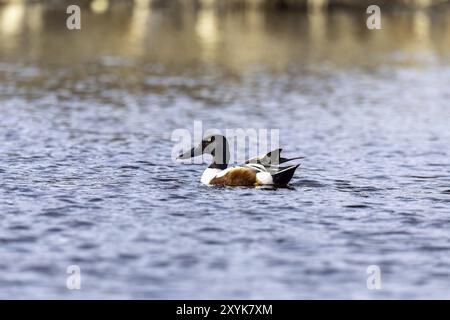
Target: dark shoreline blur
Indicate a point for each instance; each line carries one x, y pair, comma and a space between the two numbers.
236, 40
272, 5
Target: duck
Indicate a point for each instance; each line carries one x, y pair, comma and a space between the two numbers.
258, 171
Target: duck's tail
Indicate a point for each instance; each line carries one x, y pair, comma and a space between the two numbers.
283, 176
283, 160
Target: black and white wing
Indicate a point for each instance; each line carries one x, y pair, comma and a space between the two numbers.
272, 158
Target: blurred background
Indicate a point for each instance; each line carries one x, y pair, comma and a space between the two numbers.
236, 35
86, 176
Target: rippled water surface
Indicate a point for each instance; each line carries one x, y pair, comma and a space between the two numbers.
86, 176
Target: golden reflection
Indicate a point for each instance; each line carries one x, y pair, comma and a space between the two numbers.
423, 3
317, 5
317, 26
34, 17
255, 20
414, 35
138, 27
99, 6
236, 40
207, 32
421, 26
12, 18
343, 35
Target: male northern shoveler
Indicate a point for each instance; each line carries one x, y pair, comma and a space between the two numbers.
259, 171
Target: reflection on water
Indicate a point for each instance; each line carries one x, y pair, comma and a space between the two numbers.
12, 18
99, 6
206, 30
139, 25
86, 176
234, 40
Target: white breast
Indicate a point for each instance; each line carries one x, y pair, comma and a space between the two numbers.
209, 174
264, 178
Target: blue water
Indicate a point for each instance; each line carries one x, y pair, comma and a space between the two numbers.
86, 176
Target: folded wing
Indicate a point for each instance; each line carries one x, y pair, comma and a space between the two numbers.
273, 175
271, 158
